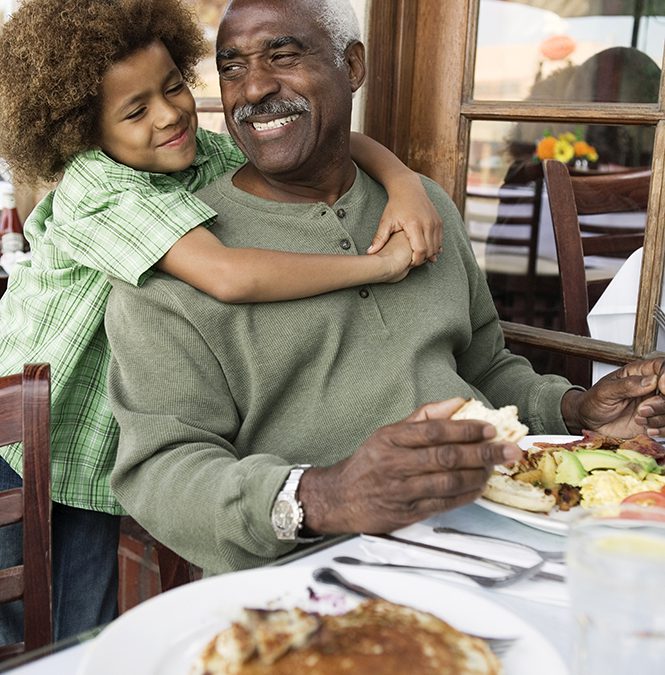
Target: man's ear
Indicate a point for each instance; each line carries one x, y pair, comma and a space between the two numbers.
354, 57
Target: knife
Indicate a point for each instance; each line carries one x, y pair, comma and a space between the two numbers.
487, 562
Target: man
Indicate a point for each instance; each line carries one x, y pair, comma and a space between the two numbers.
220, 405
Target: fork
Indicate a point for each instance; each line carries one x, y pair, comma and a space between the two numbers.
553, 556
327, 575
488, 582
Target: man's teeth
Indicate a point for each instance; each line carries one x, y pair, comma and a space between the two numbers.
274, 124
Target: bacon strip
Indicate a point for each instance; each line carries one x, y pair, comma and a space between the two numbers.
592, 440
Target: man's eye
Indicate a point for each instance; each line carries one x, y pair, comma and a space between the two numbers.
285, 58
230, 71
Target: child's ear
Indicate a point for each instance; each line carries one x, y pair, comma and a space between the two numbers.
354, 57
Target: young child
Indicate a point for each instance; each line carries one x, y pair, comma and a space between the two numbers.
126, 147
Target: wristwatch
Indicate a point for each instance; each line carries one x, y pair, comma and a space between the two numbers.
287, 513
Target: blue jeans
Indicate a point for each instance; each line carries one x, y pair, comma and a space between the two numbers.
85, 568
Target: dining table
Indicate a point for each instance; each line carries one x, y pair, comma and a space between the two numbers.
540, 603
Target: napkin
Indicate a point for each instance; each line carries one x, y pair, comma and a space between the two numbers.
540, 590
612, 318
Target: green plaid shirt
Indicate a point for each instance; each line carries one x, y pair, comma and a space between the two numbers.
103, 219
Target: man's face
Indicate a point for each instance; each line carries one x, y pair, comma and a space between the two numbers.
286, 102
148, 119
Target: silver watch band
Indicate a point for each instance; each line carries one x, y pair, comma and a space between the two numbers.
287, 513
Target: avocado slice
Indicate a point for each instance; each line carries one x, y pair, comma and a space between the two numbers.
601, 459
569, 470
647, 462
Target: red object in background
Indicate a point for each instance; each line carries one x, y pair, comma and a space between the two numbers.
11, 228
557, 47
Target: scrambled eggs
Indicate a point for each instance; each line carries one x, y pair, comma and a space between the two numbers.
609, 487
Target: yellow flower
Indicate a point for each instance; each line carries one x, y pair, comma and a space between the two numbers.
563, 151
568, 136
545, 147
592, 155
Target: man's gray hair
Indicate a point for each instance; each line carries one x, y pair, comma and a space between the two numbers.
339, 21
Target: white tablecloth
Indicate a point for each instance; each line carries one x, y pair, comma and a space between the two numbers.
552, 621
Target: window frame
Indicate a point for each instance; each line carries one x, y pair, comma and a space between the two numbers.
429, 45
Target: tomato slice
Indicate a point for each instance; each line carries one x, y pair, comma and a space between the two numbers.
648, 498
650, 505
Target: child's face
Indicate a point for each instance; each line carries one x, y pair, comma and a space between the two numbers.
148, 119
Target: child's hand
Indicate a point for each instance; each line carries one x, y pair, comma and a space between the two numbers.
411, 211
397, 257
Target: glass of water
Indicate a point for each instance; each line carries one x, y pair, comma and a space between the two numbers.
616, 579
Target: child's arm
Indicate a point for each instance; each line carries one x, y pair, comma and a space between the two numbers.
258, 275
408, 209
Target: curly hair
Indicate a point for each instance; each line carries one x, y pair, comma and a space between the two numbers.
53, 56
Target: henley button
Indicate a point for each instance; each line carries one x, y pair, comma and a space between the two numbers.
364, 293
345, 244
341, 213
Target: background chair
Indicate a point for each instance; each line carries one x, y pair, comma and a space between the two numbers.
569, 198
25, 407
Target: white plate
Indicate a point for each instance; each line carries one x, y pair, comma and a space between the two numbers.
164, 635
555, 522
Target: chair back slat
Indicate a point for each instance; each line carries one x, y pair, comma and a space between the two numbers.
11, 583
25, 415
11, 506
590, 195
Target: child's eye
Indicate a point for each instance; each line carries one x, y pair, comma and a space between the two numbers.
176, 88
136, 114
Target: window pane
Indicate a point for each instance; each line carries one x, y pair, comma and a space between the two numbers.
209, 13
570, 50
508, 217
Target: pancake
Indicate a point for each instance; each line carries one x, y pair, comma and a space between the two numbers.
375, 638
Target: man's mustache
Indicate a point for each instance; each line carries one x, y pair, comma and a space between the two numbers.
271, 107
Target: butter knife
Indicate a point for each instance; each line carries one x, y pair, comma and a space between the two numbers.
487, 562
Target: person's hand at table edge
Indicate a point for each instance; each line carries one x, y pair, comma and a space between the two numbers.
624, 403
403, 473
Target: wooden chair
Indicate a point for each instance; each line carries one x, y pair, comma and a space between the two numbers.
174, 570
569, 198
25, 416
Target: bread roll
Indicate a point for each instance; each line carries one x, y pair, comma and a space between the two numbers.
505, 420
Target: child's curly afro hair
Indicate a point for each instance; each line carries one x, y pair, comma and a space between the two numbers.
53, 56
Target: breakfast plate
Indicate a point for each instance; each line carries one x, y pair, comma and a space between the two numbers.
164, 635
555, 522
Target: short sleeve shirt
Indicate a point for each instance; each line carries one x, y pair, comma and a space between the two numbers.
104, 219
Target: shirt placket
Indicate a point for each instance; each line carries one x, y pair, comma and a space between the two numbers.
367, 305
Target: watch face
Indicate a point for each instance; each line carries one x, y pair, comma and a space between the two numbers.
283, 516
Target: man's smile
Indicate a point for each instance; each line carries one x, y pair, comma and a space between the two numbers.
274, 124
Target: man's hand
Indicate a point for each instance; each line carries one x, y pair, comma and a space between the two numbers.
411, 211
624, 403
403, 473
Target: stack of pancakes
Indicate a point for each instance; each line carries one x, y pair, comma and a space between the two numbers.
377, 638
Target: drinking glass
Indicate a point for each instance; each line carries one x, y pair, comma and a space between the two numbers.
616, 579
